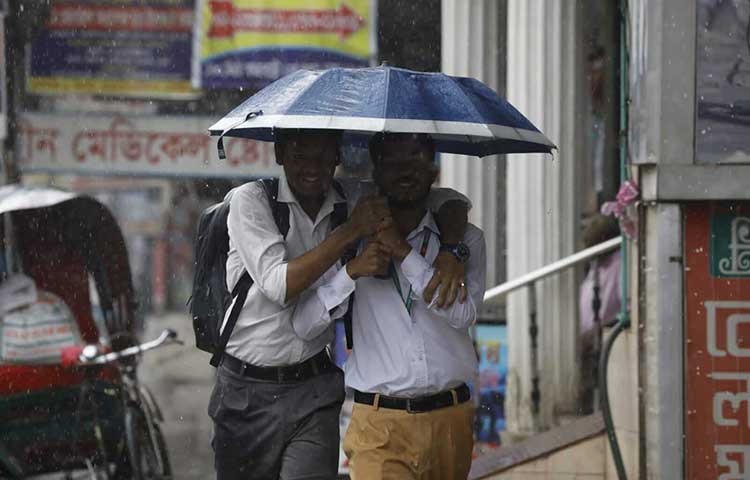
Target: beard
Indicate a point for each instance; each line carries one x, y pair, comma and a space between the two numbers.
412, 199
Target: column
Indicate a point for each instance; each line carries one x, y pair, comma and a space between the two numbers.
543, 82
473, 46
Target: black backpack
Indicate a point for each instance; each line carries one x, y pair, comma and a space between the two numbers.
210, 298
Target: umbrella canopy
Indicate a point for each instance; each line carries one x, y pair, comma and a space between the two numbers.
461, 114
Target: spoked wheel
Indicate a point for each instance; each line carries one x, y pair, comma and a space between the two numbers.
147, 453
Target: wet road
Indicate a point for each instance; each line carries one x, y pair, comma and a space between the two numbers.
181, 380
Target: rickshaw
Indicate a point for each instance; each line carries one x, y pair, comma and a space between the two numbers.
83, 414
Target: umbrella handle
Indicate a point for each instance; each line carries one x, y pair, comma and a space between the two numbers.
220, 143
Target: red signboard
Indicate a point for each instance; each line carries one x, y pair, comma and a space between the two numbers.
717, 348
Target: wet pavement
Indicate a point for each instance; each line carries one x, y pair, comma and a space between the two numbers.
181, 380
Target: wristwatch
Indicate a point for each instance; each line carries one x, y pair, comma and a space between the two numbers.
458, 250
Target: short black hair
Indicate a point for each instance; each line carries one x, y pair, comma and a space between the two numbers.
378, 141
600, 228
283, 135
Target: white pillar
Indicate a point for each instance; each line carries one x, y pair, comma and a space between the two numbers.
543, 82
471, 48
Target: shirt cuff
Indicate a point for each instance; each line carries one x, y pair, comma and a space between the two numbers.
335, 292
417, 271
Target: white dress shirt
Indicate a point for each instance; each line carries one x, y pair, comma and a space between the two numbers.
264, 334
399, 353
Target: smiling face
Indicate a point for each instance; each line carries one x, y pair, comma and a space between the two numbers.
404, 168
309, 159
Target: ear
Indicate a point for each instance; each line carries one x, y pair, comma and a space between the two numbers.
433, 172
376, 175
278, 150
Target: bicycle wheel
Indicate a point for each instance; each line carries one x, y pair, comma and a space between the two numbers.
166, 467
147, 458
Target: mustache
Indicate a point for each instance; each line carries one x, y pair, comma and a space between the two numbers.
407, 178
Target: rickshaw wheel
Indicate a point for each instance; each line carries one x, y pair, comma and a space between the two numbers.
147, 453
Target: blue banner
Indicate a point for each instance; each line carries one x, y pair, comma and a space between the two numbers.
116, 47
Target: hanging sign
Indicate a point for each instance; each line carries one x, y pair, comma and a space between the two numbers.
250, 43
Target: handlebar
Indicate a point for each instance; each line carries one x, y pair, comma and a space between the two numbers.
90, 354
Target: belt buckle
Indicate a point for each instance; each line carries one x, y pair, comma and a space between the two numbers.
409, 408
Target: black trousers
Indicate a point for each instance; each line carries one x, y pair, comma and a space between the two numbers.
268, 430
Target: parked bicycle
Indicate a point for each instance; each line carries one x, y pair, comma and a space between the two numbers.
147, 456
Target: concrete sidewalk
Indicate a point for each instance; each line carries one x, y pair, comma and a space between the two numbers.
181, 380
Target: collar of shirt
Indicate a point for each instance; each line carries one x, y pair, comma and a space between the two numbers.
427, 223
332, 197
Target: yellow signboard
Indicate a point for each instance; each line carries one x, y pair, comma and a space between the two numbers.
250, 43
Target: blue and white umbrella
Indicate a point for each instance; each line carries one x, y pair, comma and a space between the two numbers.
461, 114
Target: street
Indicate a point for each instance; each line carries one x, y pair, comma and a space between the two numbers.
181, 380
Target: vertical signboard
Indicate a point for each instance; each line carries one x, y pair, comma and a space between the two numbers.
717, 348
250, 43
116, 47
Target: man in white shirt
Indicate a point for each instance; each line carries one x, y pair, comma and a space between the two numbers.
277, 397
411, 359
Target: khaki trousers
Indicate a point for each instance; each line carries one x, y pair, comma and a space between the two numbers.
389, 444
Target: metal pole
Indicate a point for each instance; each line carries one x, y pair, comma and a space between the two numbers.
15, 40
536, 395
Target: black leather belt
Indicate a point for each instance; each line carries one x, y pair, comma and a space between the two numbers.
427, 403
311, 367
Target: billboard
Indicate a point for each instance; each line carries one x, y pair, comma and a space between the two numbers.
168, 146
250, 43
722, 133
116, 47
717, 343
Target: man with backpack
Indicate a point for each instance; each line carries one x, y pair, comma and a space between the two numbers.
277, 397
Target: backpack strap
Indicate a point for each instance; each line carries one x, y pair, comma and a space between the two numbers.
280, 212
239, 295
338, 217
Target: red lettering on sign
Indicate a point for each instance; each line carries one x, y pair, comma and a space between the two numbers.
227, 20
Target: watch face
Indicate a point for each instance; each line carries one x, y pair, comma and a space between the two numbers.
462, 252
